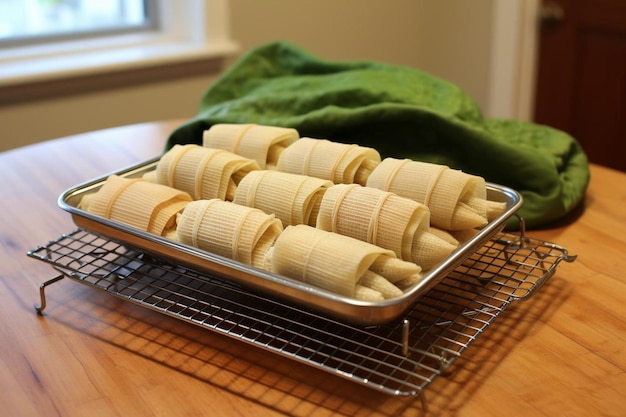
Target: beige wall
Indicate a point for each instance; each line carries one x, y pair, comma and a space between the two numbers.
34, 121
449, 38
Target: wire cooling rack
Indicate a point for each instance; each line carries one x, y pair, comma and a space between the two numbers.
398, 358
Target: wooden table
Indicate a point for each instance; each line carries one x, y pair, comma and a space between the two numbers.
559, 353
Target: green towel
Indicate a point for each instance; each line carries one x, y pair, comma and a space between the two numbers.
402, 112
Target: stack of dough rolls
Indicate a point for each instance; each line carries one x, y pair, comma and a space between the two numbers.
384, 219
457, 200
264, 144
204, 173
341, 264
293, 198
147, 206
338, 162
240, 233
330, 214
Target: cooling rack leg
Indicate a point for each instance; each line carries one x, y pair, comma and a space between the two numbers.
42, 293
522, 230
423, 400
405, 337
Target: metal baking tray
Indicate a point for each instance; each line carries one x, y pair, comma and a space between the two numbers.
340, 307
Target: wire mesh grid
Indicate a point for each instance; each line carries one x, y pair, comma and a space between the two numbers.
399, 358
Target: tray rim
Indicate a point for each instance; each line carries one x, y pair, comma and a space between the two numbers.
346, 309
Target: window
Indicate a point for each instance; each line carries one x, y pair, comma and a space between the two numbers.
95, 39
34, 21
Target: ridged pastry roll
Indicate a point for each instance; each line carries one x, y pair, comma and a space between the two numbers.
240, 233
383, 219
451, 195
294, 199
137, 203
264, 144
338, 162
341, 264
204, 173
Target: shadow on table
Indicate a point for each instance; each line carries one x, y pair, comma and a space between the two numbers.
283, 385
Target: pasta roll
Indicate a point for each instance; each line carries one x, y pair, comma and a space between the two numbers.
395, 269
330, 261
445, 235
401, 274
429, 249
292, 198
367, 294
383, 219
445, 191
374, 216
240, 233
264, 144
376, 282
204, 173
137, 203
338, 162
486, 208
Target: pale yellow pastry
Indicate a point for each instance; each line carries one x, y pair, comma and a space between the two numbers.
237, 232
292, 198
204, 173
455, 199
339, 263
383, 219
338, 162
264, 144
142, 204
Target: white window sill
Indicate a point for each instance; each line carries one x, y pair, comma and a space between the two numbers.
27, 70
193, 42
47, 76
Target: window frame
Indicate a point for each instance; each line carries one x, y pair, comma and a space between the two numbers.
192, 31
151, 24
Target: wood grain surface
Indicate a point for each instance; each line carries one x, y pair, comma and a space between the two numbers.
559, 353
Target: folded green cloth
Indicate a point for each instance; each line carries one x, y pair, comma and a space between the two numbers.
402, 112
